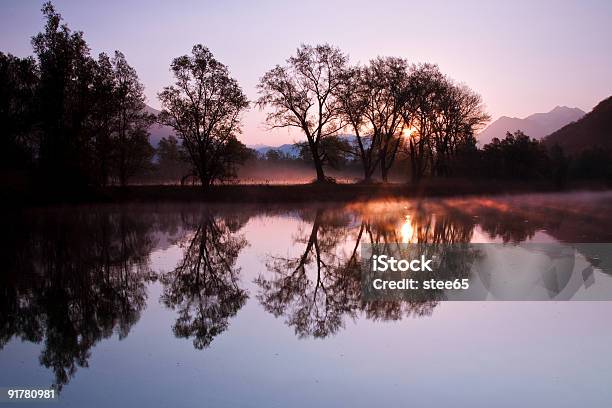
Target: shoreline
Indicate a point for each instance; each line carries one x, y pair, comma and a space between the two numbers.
292, 193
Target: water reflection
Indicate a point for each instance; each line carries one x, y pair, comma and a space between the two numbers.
321, 286
72, 277
73, 280
203, 288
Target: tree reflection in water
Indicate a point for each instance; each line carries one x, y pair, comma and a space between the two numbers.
321, 287
72, 280
316, 289
203, 288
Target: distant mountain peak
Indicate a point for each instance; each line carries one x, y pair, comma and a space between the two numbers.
566, 108
537, 125
151, 110
156, 130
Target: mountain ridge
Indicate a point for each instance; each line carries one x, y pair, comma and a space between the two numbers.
536, 125
592, 130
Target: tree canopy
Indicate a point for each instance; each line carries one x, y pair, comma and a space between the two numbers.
204, 106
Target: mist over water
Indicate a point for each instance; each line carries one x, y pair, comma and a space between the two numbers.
291, 173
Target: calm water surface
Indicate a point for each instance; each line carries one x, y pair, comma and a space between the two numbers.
243, 306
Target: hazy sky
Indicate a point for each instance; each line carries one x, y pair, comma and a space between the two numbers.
521, 56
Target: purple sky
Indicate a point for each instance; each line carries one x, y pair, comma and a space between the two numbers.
521, 56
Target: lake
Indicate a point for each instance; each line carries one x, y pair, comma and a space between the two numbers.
240, 305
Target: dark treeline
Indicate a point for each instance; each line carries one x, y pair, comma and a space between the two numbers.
72, 121
514, 157
519, 157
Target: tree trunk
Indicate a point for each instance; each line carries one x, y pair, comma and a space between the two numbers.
416, 161
413, 162
320, 174
203, 176
317, 162
384, 171
122, 169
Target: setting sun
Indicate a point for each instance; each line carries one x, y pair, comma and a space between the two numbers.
409, 131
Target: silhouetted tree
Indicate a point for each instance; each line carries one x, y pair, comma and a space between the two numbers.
386, 80
425, 83
85, 118
64, 97
560, 165
172, 159
334, 151
593, 163
458, 114
354, 97
102, 120
372, 103
273, 155
18, 79
119, 122
132, 151
204, 106
442, 118
301, 94
517, 156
